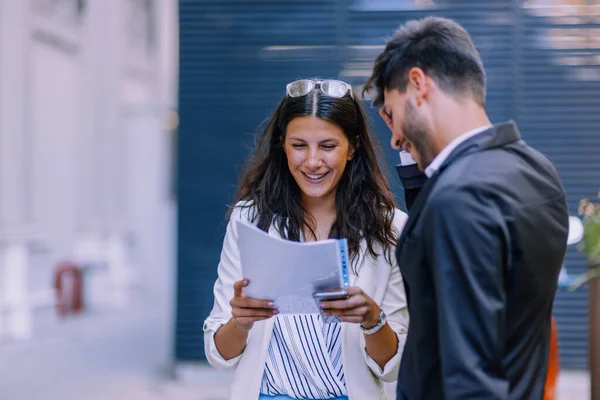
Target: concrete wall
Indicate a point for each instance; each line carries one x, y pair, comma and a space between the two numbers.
84, 151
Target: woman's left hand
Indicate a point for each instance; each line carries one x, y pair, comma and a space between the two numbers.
357, 308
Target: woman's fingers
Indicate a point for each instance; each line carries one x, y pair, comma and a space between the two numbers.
238, 287
253, 312
248, 302
358, 312
355, 309
246, 310
353, 320
354, 301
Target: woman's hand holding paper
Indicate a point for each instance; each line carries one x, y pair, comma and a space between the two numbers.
246, 310
382, 344
357, 308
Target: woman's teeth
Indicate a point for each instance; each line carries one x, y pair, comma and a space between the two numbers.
315, 176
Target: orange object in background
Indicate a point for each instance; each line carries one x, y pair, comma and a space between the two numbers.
68, 284
553, 364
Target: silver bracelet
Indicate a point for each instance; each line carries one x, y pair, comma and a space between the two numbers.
381, 320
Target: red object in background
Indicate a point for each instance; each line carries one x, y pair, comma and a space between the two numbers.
553, 364
68, 284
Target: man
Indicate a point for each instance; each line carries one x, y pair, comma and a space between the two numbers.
486, 236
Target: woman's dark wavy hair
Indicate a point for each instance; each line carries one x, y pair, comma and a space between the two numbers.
364, 203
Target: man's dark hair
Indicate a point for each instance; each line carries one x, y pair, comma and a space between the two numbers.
441, 48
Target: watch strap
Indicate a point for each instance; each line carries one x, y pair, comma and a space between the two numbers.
380, 323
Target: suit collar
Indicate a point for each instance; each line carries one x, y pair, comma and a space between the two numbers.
496, 136
446, 151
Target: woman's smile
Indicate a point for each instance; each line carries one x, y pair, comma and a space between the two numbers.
315, 178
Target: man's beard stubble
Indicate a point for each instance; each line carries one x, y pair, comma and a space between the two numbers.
416, 132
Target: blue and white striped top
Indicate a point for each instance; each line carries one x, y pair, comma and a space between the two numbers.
304, 360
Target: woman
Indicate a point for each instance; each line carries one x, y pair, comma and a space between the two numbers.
314, 175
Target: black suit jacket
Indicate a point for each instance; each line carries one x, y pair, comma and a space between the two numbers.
480, 256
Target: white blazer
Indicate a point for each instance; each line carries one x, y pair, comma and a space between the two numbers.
376, 277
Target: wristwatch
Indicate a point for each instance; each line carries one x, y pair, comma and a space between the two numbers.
380, 323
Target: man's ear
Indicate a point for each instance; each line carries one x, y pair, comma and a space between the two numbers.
417, 81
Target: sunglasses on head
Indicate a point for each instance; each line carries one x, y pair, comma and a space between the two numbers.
329, 87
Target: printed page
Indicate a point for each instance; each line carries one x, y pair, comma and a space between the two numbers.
288, 272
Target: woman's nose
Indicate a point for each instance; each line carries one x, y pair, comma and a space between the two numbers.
314, 158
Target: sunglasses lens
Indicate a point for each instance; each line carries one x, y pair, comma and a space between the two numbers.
300, 88
335, 89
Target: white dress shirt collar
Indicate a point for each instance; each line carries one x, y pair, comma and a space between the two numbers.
441, 157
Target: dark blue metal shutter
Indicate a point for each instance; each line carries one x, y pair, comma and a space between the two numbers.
558, 110
235, 59
542, 72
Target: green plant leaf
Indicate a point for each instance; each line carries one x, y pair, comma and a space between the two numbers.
591, 238
593, 272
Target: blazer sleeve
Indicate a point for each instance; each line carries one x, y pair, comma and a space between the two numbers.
229, 271
395, 307
467, 245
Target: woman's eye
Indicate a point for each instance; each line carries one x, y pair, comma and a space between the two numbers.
298, 145
329, 146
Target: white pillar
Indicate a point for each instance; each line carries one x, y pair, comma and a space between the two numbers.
109, 142
18, 317
13, 45
15, 314
92, 219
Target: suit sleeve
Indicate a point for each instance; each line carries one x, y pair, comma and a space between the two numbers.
467, 255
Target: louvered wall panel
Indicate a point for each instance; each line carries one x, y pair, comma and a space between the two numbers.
558, 110
236, 57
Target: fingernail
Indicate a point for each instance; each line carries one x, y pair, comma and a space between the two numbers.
322, 305
245, 282
275, 312
271, 304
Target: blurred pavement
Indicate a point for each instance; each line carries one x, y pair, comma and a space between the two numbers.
125, 354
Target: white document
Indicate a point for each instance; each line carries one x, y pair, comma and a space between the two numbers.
290, 272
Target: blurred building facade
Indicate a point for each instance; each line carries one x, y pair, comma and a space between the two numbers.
543, 70
86, 89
